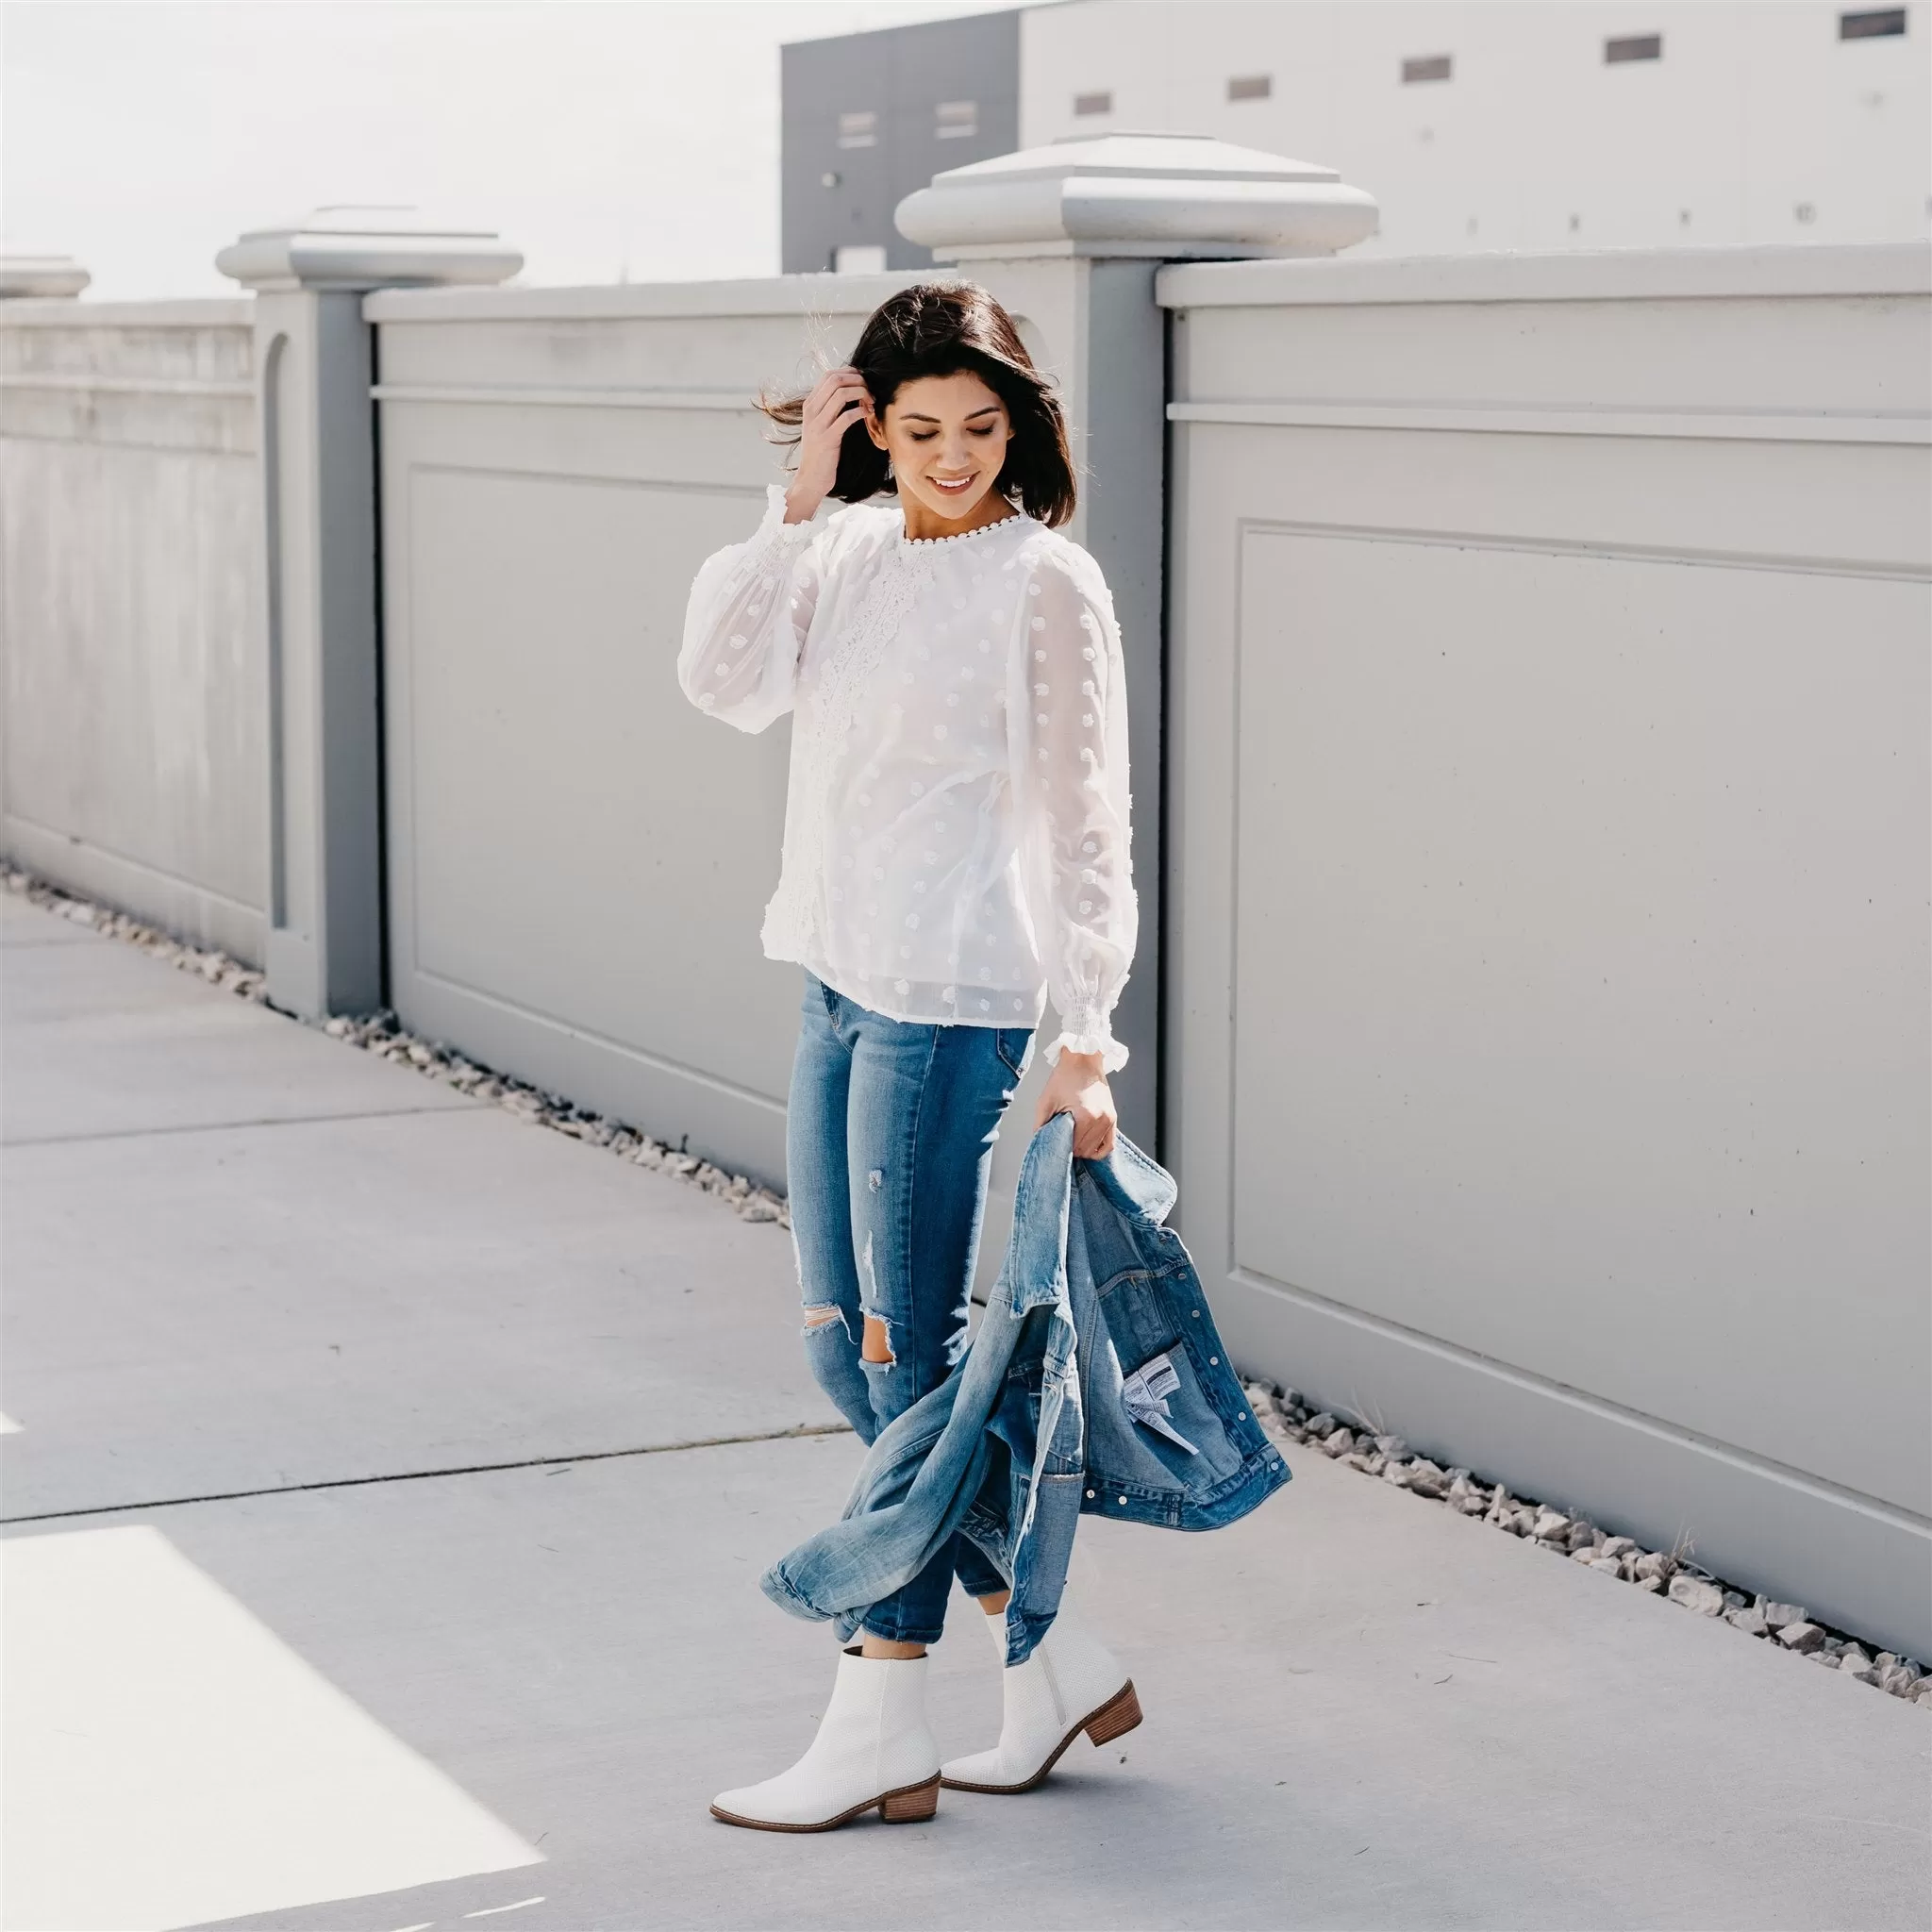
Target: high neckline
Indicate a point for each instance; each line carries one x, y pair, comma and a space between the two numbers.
1018, 516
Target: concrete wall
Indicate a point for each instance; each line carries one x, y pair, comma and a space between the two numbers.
1546, 1017
131, 688
1758, 124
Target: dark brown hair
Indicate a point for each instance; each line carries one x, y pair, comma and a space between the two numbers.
942, 328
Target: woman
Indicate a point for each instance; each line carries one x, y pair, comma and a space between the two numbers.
956, 848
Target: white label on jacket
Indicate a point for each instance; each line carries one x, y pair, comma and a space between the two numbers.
1146, 1392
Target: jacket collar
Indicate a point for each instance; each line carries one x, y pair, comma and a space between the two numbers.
1139, 1186
1035, 1273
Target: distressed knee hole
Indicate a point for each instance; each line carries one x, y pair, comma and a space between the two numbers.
824, 1316
875, 1179
877, 1345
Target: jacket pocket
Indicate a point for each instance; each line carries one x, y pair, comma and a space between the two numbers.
1173, 1417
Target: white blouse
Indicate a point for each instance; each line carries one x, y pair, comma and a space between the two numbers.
956, 841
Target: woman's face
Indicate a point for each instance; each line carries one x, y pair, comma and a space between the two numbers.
947, 437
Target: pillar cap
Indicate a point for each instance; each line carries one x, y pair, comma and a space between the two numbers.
367, 247
41, 274
1175, 196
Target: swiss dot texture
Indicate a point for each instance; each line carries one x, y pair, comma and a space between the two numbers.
1007, 826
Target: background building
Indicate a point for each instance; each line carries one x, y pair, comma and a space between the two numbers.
870, 117
1516, 124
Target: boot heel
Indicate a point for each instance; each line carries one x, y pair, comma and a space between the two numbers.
1119, 1715
910, 1806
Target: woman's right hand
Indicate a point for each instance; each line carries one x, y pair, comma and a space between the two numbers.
840, 400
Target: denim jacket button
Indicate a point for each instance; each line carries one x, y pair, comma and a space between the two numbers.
1213, 1361
1089, 1495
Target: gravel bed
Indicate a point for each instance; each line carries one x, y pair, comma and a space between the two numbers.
1670, 1575
380, 1034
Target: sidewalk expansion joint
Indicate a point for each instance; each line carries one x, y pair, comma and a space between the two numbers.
422, 1476
242, 1126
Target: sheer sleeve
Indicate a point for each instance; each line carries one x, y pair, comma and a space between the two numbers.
1068, 739
751, 606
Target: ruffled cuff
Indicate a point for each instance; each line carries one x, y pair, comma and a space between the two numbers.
776, 545
774, 518
1090, 1034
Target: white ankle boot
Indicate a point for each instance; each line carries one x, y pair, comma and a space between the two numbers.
1071, 1683
872, 1748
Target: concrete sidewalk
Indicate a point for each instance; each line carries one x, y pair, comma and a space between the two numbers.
388, 1492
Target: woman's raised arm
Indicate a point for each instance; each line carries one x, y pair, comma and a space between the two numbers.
751, 607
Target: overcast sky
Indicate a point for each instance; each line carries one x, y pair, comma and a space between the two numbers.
602, 137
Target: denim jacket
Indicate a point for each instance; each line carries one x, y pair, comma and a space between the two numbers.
1095, 1382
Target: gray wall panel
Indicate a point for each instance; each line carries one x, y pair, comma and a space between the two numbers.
1546, 1035
132, 701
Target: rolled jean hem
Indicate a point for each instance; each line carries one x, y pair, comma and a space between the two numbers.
921, 1636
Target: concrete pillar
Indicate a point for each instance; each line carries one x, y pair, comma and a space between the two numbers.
314, 364
1069, 237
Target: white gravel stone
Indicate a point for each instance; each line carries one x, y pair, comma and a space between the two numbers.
1707, 1599
1426, 1479
1779, 1615
1803, 1638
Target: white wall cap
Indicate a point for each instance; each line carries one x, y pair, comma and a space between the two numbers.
201, 311
1170, 195
818, 294
1753, 272
41, 274
367, 247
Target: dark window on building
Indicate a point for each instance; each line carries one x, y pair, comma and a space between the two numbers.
1872, 27
1430, 67
955, 120
1634, 47
1251, 87
859, 130
1093, 104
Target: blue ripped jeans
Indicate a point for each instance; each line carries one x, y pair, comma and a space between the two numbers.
888, 1147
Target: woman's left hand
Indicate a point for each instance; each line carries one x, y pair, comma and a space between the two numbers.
1077, 1086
